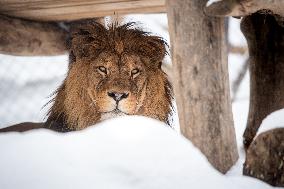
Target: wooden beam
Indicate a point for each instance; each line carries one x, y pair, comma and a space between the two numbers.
29, 38
244, 7
201, 84
32, 38
50, 10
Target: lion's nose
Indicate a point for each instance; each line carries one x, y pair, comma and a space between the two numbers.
117, 96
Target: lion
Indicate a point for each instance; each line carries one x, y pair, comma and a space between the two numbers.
113, 71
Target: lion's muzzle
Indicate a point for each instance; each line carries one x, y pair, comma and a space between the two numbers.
117, 96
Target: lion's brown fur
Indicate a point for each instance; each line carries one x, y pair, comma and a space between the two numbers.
82, 99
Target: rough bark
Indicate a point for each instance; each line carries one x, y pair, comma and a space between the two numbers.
22, 37
265, 39
265, 157
201, 84
244, 7
31, 38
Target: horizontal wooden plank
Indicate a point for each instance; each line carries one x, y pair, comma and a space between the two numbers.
54, 10
240, 8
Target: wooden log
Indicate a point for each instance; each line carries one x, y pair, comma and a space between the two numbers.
50, 10
31, 38
265, 39
201, 85
22, 37
244, 7
22, 127
265, 157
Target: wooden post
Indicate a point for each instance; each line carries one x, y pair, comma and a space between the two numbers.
201, 83
265, 37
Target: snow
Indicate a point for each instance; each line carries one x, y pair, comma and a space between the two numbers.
127, 152
272, 121
210, 2
236, 62
28, 78
18, 63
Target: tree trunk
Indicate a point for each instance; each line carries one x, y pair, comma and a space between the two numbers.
201, 85
265, 38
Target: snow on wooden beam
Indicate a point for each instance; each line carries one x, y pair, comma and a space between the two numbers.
49, 10
243, 7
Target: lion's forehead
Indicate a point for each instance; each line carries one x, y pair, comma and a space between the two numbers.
123, 61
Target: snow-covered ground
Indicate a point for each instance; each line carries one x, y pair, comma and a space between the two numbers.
128, 152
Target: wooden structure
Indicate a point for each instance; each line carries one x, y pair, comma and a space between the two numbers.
199, 54
265, 36
263, 27
201, 83
31, 38
69, 10
264, 157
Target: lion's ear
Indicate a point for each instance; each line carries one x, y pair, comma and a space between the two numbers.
154, 48
86, 38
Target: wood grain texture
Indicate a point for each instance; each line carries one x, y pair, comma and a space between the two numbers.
201, 85
29, 38
265, 39
32, 38
244, 7
49, 10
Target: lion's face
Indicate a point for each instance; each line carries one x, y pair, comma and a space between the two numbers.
112, 71
116, 83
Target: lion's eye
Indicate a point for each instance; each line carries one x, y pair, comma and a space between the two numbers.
102, 69
135, 72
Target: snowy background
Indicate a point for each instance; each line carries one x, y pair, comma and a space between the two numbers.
127, 152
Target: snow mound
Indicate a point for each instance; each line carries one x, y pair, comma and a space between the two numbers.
272, 121
126, 152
